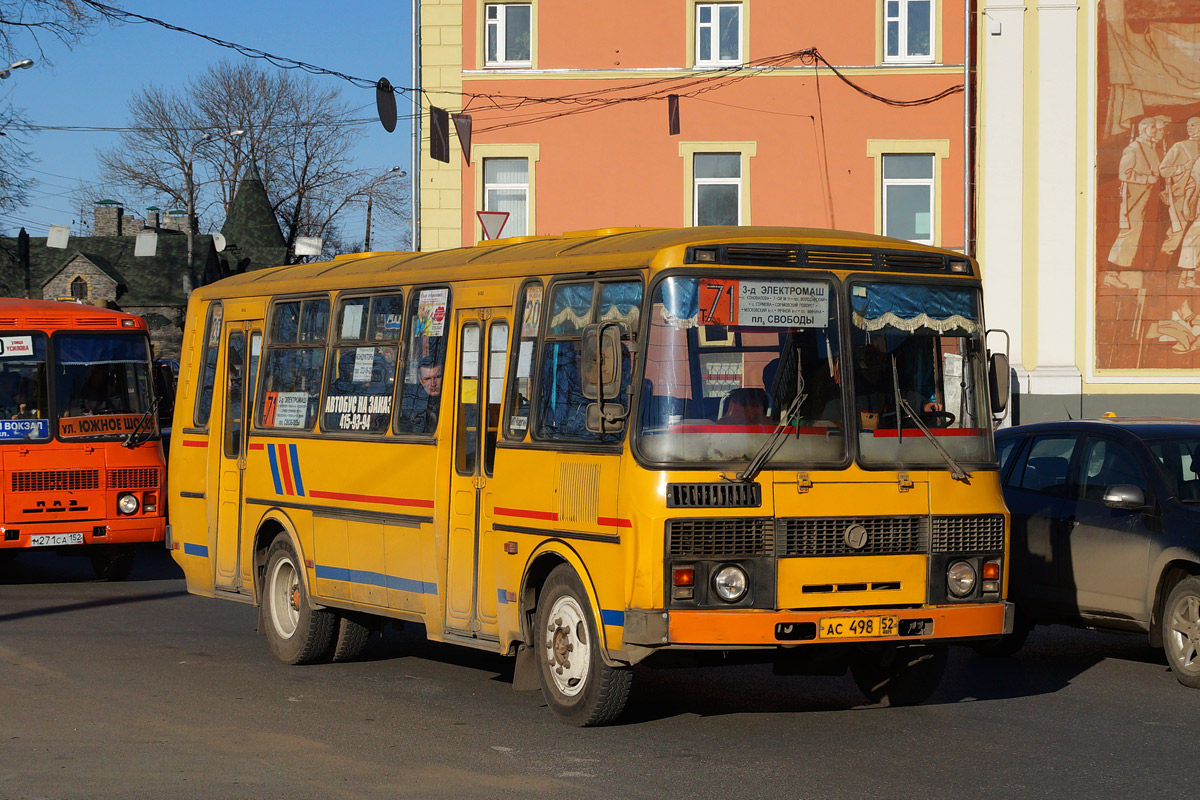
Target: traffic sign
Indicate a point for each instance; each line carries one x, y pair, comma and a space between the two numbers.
493, 222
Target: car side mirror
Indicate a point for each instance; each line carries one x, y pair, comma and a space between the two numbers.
998, 382
1125, 495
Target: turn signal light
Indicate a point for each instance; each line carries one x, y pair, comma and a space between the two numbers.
991, 571
683, 576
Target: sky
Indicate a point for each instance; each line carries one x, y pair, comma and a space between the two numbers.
91, 83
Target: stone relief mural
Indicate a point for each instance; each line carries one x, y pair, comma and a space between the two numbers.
1148, 185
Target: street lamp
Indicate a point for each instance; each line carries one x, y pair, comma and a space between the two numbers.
191, 191
24, 63
384, 176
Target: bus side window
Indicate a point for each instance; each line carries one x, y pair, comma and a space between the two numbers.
295, 364
520, 388
362, 373
562, 407
208, 370
424, 362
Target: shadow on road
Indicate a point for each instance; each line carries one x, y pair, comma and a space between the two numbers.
152, 563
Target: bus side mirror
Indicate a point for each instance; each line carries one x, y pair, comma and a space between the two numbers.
998, 386
603, 364
164, 387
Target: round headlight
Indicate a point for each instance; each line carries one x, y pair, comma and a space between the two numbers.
960, 579
730, 583
127, 504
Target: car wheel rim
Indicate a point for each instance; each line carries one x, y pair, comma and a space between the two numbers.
1183, 634
567, 650
285, 600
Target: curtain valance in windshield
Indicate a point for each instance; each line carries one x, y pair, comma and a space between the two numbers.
906, 307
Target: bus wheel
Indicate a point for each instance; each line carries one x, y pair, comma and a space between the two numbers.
113, 562
578, 686
298, 633
350, 638
1181, 631
900, 676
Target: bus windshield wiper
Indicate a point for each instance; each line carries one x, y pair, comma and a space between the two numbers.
956, 470
133, 440
771, 444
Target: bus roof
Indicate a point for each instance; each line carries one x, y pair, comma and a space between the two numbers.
20, 314
622, 248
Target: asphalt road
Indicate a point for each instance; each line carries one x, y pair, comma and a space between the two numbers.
138, 690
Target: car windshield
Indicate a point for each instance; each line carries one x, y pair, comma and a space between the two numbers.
727, 357
23, 388
1179, 459
102, 383
917, 353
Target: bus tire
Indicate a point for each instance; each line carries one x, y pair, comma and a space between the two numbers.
298, 633
578, 686
900, 676
113, 562
1181, 631
350, 638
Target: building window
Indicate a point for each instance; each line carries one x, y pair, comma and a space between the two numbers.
508, 34
908, 184
908, 30
718, 34
717, 194
79, 289
506, 188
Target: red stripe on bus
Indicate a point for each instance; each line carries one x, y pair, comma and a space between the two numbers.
549, 516
285, 468
368, 498
256, 446
195, 442
743, 429
615, 522
890, 433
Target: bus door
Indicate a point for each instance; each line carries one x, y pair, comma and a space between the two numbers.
243, 344
479, 390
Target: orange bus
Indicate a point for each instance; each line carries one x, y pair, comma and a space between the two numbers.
81, 463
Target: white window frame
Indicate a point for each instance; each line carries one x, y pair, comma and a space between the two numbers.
939, 149
926, 182
903, 56
688, 152
711, 29
531, 153
698, 182
500, 26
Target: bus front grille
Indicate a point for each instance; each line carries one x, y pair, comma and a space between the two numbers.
853, 536
56, 480
133, 478
749, 536
714, 495
968, 533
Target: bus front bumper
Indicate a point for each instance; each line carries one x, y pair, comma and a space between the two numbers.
71, 533
759, 627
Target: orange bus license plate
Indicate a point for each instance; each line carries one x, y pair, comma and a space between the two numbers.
857, 627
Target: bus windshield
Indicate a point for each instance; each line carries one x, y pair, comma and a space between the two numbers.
102, 383
726, 359
23, 388
918, 355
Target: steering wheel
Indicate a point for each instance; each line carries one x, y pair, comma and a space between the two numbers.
937, 419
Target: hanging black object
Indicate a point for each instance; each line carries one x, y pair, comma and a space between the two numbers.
439, 134
385, 104
673, 114
462, 126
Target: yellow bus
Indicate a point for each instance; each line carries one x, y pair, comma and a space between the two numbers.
590, 451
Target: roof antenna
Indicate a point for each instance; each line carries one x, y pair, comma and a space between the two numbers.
1064, 402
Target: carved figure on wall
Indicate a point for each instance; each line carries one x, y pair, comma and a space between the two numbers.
1138, 173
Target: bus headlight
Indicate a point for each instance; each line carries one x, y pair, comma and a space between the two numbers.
960, 579
730, 583
127, 504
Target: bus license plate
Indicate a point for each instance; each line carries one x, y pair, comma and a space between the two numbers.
55, 539
857, 627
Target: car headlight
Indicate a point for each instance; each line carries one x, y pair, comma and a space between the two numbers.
730, 583
127, 504
960, 579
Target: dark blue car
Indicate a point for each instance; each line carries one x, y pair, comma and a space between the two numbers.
1106, 530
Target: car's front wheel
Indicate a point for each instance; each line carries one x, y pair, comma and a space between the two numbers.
1181, 631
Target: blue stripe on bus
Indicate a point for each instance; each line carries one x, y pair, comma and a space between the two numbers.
274, 469
195, 549
375, 579
502, 596
296, 470
612, 616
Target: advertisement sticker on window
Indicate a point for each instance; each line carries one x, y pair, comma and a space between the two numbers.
364, 361
11, 346
431, 312
764, 304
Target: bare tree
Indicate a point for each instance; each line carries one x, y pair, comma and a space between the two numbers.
299, 135
65, 20
15, 159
